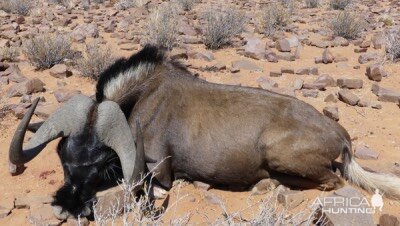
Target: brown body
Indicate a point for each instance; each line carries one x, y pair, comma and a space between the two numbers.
231, 135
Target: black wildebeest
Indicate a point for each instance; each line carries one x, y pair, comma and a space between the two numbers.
218, 134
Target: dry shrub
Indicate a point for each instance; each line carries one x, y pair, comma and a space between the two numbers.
9, 53
312, 3
347, 25
20, 7
274, 17
186, 5
392, 45
339, 4
126, 4
47, 50
221, 26
161, 27
95, 60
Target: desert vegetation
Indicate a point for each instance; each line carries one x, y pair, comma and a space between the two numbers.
312, 3
339, 4
274, 17
347, 25
47, 50
20, 7
221, 25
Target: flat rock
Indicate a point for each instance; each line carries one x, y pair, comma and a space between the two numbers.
28, 87
43, 215
254, 48
310, 93
350, 83
205, 55
384, 94
266, 83
60, 71
348, 97
367, 57
283, 45
290, 199
275, 74
264, 186
303, 71
375, 72
331, 112
201, 185
331, 98
364, 152
25, 202
62, 95
245, 65
287, 70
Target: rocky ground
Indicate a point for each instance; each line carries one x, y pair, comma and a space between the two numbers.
348, 80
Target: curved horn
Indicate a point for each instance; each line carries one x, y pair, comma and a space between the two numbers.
69, 119
114, 131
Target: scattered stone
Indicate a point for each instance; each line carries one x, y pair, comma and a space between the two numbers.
298, 84
286, 56
264, 186
310, 93
62, 95
321, 83
367, 57
331, 112
385, 95
363, 152
303, 71
348, 97
350, 83
201, 185
327, 57
314, 71
388, 220
245, 65
43, 215
254, 48
212, 198
266, 83
271, 57
378, 40
375, 72
28, 87
25, 202
287, 70
205, 55
283, 45
291, 199
328, 210
60, 71
15, 74
275, 74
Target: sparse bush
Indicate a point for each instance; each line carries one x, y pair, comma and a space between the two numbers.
186, 5
9, 53
95, 60
312, 3
20, 7
274, 17
161, 27
339, 4
392, 45
221, 26
290, 5
46, 50
347, 25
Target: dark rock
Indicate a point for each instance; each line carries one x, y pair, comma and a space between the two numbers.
385, 95
275, 74
287, 70
310, 93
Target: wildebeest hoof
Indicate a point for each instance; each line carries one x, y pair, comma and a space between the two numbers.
159, 193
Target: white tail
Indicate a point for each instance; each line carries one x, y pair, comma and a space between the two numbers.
388, 184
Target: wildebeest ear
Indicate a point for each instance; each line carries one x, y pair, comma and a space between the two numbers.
33, 127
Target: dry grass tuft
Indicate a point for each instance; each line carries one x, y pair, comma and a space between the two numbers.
347, 25
20, 7
392, 45
161, 27
186, 5
9, 53
312, 3
47, 50
95, 60
274, 17
221, 26
339, 4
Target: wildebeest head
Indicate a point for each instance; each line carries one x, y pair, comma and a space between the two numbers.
96, 147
